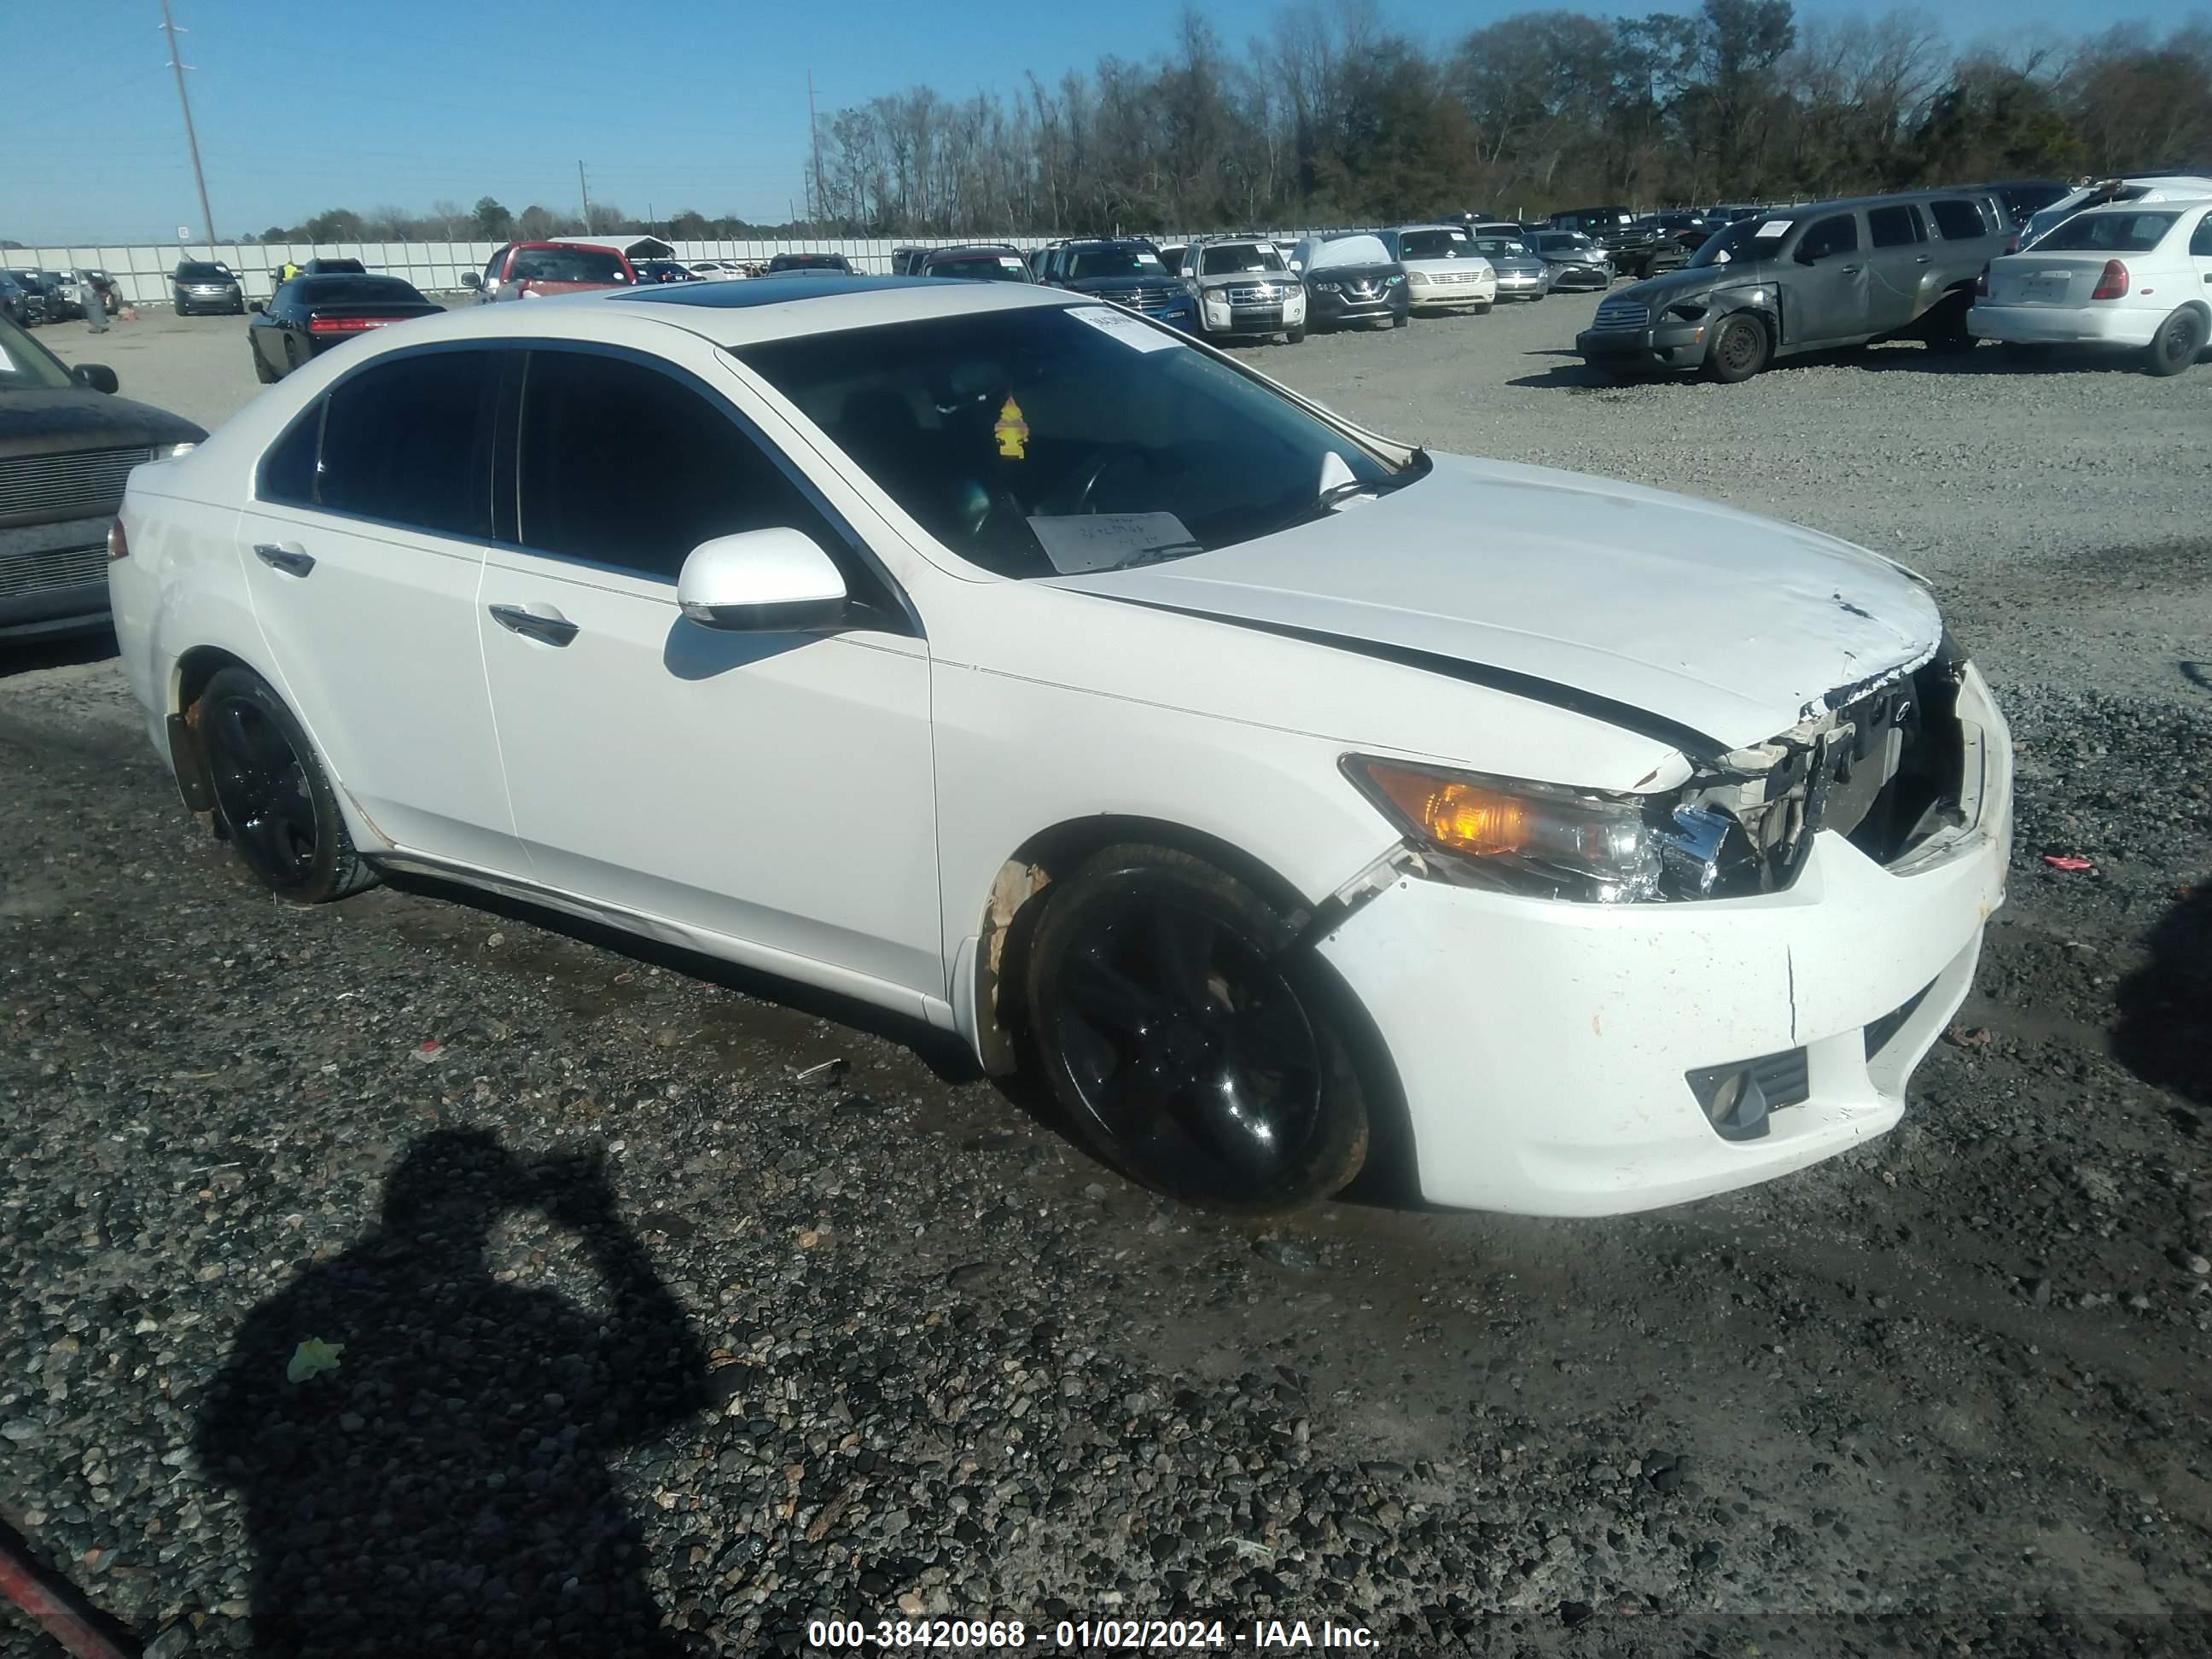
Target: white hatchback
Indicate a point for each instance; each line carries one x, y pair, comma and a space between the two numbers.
2137, 275
1287, 798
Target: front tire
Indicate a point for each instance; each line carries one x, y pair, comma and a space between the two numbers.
273, 800
1295, 337
1740, 348
2177, 345
262, 371
1188, 1041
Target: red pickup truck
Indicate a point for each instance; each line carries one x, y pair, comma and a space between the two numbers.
522, 269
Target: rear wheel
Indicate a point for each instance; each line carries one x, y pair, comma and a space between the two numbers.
1185, 1038
1740, 348
2179, 340
272, 798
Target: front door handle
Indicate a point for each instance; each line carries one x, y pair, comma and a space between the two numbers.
290, 560
1850, 270
553, 630
1923, 259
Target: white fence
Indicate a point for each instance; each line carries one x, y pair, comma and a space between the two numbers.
434, 267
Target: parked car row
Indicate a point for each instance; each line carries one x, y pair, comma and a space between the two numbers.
29, 297
2125, 264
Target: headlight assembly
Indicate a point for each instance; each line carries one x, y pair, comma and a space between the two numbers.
170, 452
1550, 841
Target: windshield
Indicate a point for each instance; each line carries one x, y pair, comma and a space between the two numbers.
808, 262
1497, 247
1435, 245
1113, 262
26, 366
567, 264
981, 268
202, 273
1746, 239
1231, 259
1053, 441
1569, 242
2109, 233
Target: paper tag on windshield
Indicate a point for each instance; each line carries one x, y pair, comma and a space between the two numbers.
1007, 262
1772, 228
1099, 541
1136, 335
1150, 261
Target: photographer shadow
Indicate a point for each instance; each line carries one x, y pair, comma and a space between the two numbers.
444, 1488
2165, 1031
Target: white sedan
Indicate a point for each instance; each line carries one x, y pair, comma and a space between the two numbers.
1019, 664
2137, 276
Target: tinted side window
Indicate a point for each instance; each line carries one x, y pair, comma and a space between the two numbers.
2200, 245
1958, 220
410, 440
624, 465
287, 470
1893, 227
1830, 236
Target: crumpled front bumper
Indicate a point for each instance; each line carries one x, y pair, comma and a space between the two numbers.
1671, 344
1544, 1049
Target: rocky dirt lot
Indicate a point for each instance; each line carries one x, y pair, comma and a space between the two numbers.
840, 1328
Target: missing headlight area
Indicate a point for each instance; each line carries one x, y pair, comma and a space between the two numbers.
1884, 768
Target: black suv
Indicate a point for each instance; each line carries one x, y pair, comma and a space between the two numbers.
1811, 278
1127, 270
974, 262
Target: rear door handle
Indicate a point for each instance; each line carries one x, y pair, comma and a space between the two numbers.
552, 630
1850, 270
290, 560
1923, 259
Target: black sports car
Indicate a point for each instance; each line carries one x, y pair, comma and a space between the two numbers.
311, 314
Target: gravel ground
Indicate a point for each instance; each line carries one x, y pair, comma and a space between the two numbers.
835, 1327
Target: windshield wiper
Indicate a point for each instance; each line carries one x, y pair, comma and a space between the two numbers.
1160, 550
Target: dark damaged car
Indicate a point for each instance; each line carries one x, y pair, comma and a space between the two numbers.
1815, 278
67, 446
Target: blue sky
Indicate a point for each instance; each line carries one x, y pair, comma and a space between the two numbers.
307, 104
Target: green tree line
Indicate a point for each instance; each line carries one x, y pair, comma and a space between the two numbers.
1330, 117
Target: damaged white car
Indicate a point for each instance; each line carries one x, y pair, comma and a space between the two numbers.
1286, 798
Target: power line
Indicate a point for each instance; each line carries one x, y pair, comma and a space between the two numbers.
192, 138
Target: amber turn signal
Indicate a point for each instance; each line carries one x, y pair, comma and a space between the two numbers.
1451, 813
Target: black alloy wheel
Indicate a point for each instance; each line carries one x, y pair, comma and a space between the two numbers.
2179, 340
272, 799
1187, 1040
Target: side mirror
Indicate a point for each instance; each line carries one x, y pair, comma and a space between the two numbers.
761, 582
470, 279
98, 376
255, 305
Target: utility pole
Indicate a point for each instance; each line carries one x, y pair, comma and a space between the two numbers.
814, 142
192, 138
585, 190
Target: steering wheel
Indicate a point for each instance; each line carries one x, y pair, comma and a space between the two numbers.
1074, 494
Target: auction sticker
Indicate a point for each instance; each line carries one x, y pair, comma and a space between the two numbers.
1136, 335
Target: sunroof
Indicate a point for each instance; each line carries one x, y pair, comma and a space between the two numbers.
770, 290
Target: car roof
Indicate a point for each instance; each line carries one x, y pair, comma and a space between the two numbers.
2167, 204
974, 247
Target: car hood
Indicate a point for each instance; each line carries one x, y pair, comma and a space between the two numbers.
1657, 291
1150, 284
57, 422
1726, 628
1478, 264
